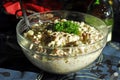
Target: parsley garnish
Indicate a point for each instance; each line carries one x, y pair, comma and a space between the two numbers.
67, 26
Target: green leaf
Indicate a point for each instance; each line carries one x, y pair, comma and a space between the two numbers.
67, 26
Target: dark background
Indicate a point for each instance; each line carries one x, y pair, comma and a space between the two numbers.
11, 56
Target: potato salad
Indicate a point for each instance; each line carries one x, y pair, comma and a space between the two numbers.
62, 37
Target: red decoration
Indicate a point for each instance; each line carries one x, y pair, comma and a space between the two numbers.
13, 7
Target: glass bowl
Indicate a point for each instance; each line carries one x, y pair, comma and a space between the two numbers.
75, 59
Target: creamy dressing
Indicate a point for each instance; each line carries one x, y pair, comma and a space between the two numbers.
61, 52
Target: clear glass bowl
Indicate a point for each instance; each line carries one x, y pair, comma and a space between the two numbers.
65, 64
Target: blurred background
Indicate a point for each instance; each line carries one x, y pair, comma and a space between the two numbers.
10, 14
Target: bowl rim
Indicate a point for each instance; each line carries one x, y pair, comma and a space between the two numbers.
105, 28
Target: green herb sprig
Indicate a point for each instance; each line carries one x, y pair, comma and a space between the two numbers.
67, 26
